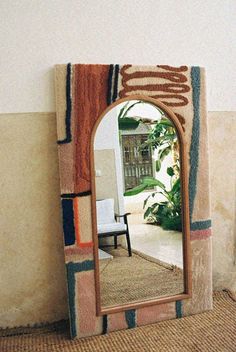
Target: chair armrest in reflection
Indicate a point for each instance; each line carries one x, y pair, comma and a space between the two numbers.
123, 216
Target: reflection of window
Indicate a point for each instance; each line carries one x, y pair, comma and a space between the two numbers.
126, 154
137, 159
145, 152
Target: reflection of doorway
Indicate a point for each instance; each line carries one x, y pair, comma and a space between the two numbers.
137, 159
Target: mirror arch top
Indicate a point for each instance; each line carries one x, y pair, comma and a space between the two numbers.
83, 93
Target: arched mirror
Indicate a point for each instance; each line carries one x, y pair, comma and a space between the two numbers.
140, 206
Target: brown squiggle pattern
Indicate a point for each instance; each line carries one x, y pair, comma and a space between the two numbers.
182, 100
170, 93
173, 68
172, 76
165, 87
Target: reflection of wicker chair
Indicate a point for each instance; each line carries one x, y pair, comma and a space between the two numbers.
107, 224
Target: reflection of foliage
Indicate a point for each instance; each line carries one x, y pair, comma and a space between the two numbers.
166, 213
132, 122
162, 138
125, 122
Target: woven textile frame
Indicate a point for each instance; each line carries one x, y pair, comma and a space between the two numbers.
83, 92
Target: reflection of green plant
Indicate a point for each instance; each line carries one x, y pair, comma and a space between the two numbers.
167, 213
125, 122
162, 137
164, 213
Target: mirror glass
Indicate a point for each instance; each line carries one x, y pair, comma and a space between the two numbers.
138, 205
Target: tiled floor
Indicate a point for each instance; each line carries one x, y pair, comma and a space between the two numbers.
156, 242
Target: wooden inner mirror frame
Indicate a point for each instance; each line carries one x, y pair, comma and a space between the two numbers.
185, 214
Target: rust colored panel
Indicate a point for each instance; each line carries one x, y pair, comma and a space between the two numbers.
89, 101
66, 162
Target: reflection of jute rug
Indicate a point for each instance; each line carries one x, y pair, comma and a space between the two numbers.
211, 331
126, 279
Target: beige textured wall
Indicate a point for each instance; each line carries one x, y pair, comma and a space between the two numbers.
33, 286
222, 146
32, 272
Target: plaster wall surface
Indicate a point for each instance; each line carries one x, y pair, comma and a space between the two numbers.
222, 147
36, 35
32, 271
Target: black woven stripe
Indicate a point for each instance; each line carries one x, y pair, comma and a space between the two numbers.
115, 87
74, 195
68, 107
109, 88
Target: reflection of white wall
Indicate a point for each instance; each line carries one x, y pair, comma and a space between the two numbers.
106, 183
107, 137
143, 110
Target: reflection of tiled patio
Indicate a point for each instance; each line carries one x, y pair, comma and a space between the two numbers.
156, 242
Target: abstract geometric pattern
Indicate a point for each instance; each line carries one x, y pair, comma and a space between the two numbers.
83, 92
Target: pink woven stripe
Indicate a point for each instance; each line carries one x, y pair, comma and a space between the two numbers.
150, 315
86, 303
78, 250
200, 234
116, 322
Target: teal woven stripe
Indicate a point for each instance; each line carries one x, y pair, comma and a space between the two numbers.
194, 148
178, 308
104, 324
200, 225
83, 266
71, 298
130, 316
